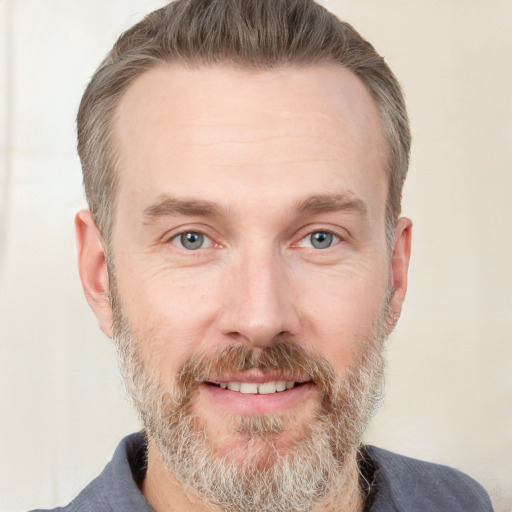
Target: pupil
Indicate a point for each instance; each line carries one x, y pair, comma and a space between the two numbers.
321, 240
192, 240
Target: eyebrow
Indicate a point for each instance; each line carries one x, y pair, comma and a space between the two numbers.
168, 206
324, 203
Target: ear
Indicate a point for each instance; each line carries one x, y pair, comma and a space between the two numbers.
92, 266
400, 263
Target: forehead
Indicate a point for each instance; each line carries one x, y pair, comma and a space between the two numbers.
192, 129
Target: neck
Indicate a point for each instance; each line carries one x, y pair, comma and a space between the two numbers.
348, 495
165, 493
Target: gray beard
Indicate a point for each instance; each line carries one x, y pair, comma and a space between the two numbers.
264, 479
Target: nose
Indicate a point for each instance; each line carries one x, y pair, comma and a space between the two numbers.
258, 300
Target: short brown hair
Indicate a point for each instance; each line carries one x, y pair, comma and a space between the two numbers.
259, 34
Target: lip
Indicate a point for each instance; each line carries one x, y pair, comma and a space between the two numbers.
257, 377
249, 404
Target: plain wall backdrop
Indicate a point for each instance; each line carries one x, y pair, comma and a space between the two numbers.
449, 378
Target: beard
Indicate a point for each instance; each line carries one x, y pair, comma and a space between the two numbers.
265, 477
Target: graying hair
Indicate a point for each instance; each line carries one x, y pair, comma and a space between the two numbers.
254, 34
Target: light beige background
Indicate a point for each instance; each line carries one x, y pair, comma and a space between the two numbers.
449, 391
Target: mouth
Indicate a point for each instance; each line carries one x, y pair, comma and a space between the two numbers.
254, 388
258, 394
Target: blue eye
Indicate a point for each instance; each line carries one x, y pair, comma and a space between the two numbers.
191, 241
321, 239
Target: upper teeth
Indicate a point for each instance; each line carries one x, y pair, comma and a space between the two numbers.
264, 388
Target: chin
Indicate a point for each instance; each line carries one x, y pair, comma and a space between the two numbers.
257, 441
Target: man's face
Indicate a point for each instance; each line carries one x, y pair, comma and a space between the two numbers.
250, 214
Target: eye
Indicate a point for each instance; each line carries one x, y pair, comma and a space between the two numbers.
320, 240
191, 241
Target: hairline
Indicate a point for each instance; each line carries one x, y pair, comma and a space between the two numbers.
108, 224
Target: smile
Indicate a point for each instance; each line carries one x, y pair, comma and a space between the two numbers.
254, 393
262, 388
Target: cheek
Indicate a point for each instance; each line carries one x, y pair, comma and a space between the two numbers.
169, 312
340, 314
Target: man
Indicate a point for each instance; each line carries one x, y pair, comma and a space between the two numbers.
243, 162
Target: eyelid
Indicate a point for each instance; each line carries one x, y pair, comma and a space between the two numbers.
307, 231
336, 239
172, 236
176, 240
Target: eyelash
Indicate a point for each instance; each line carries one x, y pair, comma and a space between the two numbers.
178, 240
334, 239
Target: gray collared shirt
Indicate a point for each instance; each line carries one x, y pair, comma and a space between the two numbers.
397, 484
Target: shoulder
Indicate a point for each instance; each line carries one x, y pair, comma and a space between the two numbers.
403, 484
116, 488
91, 498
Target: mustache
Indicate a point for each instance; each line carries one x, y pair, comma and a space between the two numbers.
283, 356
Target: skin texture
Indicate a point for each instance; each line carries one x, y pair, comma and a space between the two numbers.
256, 161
